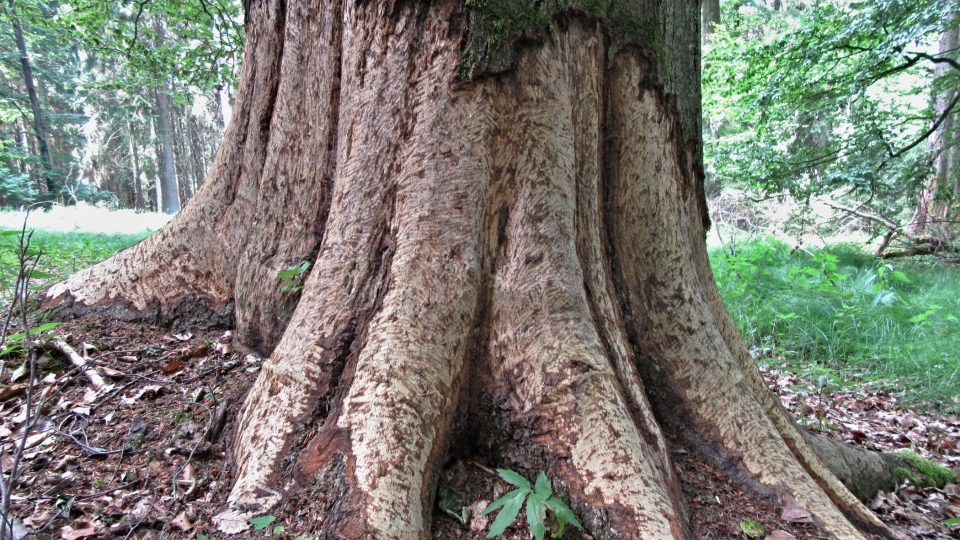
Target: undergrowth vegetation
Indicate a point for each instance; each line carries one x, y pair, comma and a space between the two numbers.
62, 254
844, 314
836, 312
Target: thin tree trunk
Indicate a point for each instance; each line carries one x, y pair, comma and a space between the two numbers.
20, 126
138, 200
157, 198
198, 156
709, 16
169, 187
181, 151
52, 185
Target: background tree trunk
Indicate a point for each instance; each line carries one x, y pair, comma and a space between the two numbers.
937, 204
709, 16
509, 268
51, 183
169, 187
139, 202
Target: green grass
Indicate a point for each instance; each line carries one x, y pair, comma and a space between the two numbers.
62, 254
843, 312
837, 311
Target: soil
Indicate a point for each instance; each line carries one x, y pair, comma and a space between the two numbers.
140, 459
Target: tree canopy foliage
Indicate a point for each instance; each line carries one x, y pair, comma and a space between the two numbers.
97, 68
834, 96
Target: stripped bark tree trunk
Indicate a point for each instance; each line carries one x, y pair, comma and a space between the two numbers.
513, 261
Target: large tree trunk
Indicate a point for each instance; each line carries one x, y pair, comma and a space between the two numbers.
936, 210
50, 181
514, 262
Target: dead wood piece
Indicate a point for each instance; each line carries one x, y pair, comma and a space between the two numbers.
78, 361
218, 421
12, 391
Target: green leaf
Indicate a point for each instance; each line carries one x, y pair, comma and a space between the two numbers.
543, 488
950, 522
535, 514
262, 522
562, 511
753, 529
450, 503
44, 327
502, 501
278, 529
288, 273
507, 516
514, 478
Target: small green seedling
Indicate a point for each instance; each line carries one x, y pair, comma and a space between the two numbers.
450, 504
753, 529
292, 277
539, 498
262, 522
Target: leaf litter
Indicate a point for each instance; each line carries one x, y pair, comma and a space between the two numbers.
146, 455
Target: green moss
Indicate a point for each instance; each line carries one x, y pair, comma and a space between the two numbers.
497, 25
920, 471
860, 491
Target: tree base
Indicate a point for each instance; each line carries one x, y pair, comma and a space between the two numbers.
514, 263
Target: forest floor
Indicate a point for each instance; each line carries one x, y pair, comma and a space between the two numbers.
145, 456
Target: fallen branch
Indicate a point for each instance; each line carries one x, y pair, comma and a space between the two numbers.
217, 422
79, 361
921, 245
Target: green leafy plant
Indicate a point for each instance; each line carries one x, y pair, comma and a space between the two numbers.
262, 522
450, 504
14, 343
753, 528
292, 277
540, 500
